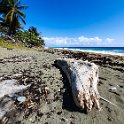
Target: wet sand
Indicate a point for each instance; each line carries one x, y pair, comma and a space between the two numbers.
56, 105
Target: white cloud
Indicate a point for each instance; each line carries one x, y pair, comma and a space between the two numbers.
78, 42
110, 40
89, 41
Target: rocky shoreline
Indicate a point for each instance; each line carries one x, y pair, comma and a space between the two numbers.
49, 99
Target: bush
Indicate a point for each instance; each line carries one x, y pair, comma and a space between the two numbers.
30, 39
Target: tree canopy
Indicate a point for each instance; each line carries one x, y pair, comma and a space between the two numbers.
11, 19
11, 15
30, 37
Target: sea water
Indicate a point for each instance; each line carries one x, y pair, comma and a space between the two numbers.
103, 50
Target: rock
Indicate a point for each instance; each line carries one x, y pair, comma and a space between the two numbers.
32, 120
21, 99
59, 113
112, 89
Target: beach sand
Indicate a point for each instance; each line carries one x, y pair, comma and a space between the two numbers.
57, 106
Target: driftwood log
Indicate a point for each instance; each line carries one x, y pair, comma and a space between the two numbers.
83, 79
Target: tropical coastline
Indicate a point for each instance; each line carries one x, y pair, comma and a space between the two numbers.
58, 105
72, 73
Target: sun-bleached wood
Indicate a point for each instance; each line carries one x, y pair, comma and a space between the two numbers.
83, 79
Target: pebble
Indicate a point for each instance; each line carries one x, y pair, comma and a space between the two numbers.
59, 113
46, 123
109, 110
121, 86
113, 89
71, 122
109, 119
21, 99
39, 114
32, 119
64, 119
48, 114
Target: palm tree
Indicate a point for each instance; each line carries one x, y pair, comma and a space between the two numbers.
33, 29
12, 14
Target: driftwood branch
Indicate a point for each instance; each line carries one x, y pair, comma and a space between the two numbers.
83, 78
16, 59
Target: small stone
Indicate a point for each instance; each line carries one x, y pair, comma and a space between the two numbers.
72, 116
32, 119
71, 122
121, 86
64, 119
113, 89
109, 110
48, 114
109, 119
21, 99
59, 113
46, 123
39, 114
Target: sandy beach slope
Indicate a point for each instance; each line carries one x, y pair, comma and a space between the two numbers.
55, 105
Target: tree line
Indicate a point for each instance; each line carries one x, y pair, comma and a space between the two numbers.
11, 19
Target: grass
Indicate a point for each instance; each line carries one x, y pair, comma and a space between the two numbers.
9, 44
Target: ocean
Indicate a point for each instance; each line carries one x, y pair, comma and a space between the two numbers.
103, 50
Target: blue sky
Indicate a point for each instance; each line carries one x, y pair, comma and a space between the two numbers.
78, 22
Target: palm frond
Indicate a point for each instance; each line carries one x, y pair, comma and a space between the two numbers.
10, 2
22, 19
9, 16
22, 7
17, 2
21, 13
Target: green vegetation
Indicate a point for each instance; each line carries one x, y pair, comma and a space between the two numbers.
11, 17
30, 38
9, 44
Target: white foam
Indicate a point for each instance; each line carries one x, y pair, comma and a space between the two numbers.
114, 52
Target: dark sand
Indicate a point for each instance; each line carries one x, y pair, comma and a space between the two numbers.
58, 106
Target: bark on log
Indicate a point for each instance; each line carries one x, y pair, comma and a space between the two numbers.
83, 79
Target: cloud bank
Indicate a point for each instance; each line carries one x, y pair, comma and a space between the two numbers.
77, 42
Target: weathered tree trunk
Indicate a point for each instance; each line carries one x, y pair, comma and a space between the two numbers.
83, 78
